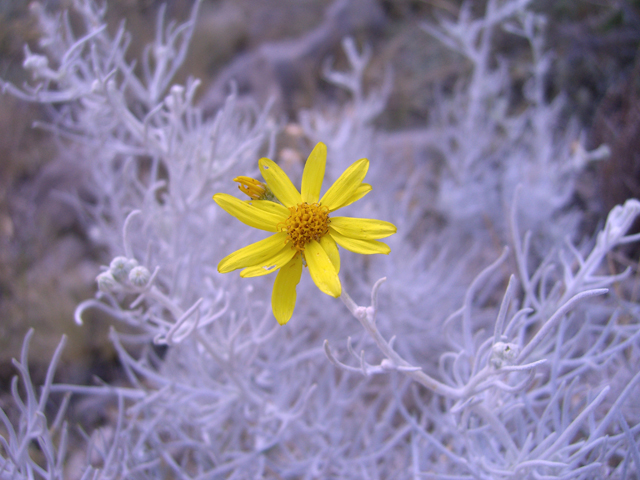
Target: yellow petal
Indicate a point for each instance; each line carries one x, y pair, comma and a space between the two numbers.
253, 254
322, 271
360, 192
283, 298
346, 185
270, 207
271, 264
357, 245
314, 174
279, 183
362, 228
248, 214
329, 245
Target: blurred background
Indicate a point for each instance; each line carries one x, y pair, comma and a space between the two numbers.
47, 263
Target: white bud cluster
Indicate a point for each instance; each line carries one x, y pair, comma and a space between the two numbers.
121, 266
123, 272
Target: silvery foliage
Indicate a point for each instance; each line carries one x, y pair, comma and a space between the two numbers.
436, 380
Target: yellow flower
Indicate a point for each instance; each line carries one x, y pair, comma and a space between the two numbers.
304, 232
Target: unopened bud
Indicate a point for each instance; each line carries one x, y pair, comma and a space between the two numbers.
139, 276
121, 266
35, 62
106, 282
503, 354
254, 189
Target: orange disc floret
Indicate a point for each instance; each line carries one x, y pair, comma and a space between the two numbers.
305, 223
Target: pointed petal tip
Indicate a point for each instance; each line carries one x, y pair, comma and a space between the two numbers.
283, 297
313, 174
348, 187
279, 183
358, 245
223, 266
321, 269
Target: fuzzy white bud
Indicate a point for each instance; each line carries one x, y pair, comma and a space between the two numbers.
503, 354
120, 267
35, 62
175, 98
620, 220
139, 276
96, 86
106, 282
387, 364
160, 52
177, 90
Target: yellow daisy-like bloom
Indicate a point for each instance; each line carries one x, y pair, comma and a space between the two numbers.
304, 232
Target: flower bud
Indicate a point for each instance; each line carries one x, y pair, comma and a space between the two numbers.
254, 189
121, 266
35, 62
503, 354
139, 276
96, 86
106, 282
175, 98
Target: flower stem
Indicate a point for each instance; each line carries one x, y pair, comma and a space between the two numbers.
366, 317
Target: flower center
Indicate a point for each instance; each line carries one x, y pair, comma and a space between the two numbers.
305, 223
